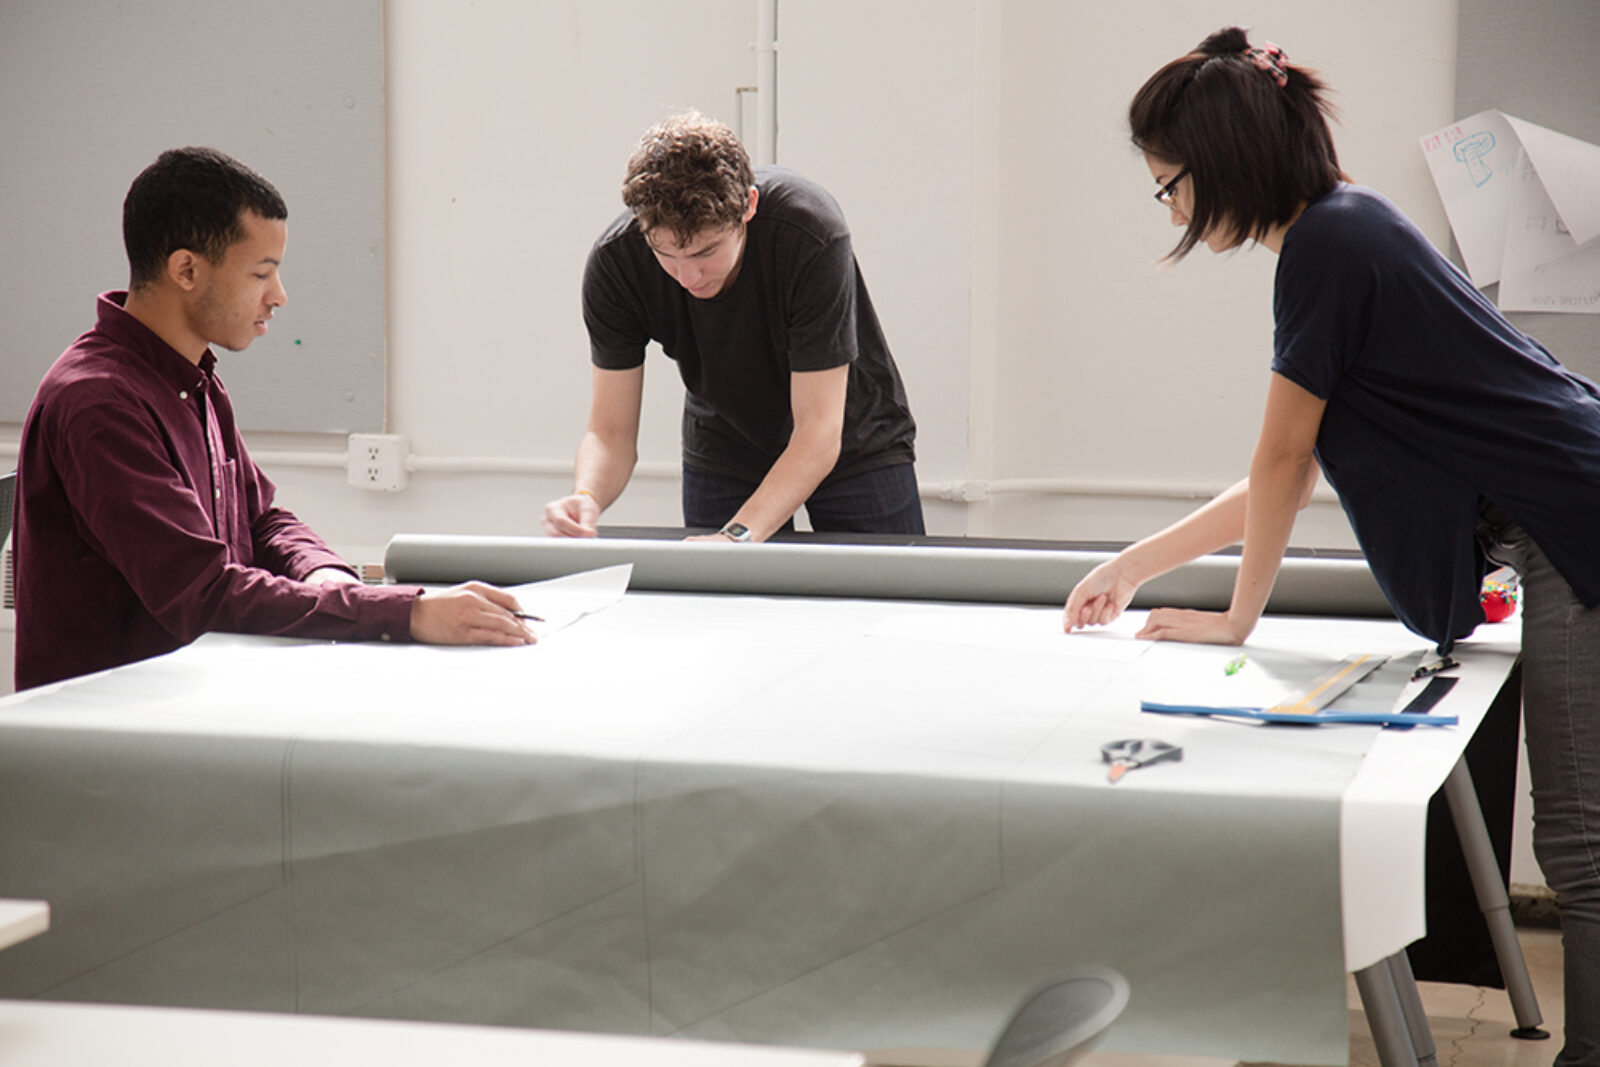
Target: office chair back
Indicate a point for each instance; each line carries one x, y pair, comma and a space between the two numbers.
8, 492
1061, 1020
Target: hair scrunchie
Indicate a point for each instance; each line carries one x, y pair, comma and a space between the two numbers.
1271, 59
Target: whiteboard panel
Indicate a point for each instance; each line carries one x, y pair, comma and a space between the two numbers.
94, 91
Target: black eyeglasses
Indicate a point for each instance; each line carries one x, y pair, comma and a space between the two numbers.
1165, 194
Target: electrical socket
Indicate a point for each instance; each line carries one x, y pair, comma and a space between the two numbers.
378, 461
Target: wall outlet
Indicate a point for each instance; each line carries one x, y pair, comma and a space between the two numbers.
378, 461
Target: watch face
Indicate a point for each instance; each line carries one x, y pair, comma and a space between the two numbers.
736, 531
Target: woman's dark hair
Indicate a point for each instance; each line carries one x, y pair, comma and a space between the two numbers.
1255, 151
191, 198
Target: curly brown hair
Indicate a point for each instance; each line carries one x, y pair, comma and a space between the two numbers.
689, 174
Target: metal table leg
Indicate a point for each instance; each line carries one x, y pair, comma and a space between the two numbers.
1492, 899
1405, 986
1391, 1031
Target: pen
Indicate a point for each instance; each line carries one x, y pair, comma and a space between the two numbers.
1443, 663
527, 615
1233, 665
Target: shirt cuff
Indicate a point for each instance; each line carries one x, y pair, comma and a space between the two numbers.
390, 614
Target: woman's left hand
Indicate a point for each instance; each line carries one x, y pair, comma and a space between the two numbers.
1196, 627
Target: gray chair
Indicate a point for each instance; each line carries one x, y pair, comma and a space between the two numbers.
8, 493
1061, 1020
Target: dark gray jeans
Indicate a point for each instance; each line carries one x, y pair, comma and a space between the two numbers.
1561, 713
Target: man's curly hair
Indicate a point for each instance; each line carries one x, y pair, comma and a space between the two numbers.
689, 174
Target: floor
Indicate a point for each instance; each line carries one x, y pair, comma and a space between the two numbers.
1471, 1026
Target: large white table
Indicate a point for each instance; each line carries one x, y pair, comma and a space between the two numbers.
826, 822
34, 1034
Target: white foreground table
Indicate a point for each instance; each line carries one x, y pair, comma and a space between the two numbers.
22, 919
34, 1034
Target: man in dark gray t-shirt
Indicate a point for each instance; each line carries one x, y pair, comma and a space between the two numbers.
747, 280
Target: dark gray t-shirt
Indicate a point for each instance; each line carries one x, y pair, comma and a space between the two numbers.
798, 304
1433, 401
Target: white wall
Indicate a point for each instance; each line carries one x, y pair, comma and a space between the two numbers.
509, 126
1006, 229
1114, 371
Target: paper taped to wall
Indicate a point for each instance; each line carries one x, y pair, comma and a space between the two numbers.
1524, 204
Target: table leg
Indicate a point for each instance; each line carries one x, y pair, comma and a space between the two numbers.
1405, 986
1492, 899
1391, 1032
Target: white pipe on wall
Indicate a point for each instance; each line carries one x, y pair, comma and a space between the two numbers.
766, 49
963, 491
974, 491
450, 464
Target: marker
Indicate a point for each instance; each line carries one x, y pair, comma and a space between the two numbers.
1233, 665
1443, 663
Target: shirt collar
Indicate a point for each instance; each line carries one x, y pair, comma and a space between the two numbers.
115, 322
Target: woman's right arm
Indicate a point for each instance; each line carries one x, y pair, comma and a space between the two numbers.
1289, 430
1104, 592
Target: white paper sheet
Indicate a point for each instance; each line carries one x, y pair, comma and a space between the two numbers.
1570, 171
1545, 268
1524, 204
1471, 162
560, 602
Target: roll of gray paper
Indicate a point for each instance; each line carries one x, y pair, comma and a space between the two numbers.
1305, 586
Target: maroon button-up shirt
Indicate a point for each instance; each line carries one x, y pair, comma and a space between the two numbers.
141, 521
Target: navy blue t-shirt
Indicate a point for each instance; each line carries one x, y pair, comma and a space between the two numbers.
798, 304
1433, 401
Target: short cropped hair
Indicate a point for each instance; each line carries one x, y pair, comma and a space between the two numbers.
191, 198
1255, 151
689, 174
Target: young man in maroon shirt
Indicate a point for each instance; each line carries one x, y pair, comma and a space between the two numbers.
141, 520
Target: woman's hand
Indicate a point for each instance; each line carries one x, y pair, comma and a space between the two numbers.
1195, 627
1100, 597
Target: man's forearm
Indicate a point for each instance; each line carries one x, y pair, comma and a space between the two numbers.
790, 482
603, 468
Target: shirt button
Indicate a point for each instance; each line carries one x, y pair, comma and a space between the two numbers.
219, 494
183, 394
384, 637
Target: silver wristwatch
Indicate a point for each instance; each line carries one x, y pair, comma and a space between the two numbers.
736, 531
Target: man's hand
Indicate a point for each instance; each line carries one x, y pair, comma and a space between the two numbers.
577, 515
606, 455
469, 614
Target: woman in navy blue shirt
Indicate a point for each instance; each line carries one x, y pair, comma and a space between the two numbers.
1455, 442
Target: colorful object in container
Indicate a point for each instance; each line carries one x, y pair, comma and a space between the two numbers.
1501, 591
